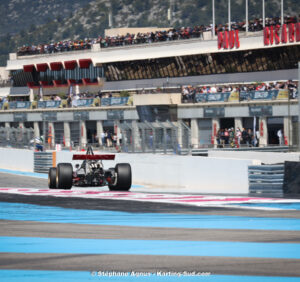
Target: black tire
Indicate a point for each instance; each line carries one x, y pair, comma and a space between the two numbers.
64, 176
123, 178
52, 178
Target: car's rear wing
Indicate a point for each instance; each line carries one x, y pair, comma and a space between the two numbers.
77, 157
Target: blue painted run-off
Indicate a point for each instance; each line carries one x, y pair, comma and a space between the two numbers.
25, 173
285, 206
81, 276
18, 211
148, 247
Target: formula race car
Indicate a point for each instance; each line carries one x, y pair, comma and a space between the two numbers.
90, 173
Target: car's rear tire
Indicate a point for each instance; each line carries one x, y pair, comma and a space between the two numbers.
64, 176
52, 178
123, 178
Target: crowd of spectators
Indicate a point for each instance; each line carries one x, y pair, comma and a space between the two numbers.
148, 37
235, 138
189, 92
55, 47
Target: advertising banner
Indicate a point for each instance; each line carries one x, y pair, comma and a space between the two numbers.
282, 94
49, 104
114, 101
234, 96
19, 105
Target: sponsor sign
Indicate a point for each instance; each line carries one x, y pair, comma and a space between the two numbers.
260, 111
234, 96
49, 104
115, 115
214, 112
49, 116
283, 94
289, 33
19, 105
81, 115
228, 39
20, 117
84, 102
114, 101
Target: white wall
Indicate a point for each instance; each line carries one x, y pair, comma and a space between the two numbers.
183, 173
16, 159
264, 157
169, 172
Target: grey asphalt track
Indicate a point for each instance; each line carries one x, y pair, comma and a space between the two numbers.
105, 262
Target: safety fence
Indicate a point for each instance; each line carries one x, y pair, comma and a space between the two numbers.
16, 137
43, 161
155, 137
266, 178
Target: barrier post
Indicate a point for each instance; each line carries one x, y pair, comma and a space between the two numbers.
53, 159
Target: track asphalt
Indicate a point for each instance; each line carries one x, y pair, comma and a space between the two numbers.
47, 238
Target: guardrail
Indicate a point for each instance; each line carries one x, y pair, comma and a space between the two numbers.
43, 161
266, 178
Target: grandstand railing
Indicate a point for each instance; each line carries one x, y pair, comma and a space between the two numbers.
123, 101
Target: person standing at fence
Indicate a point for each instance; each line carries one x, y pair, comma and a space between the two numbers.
238, 135
109, 139
103, 138
280, 137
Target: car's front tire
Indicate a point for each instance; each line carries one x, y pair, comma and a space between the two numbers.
64, 176
52, 178
123, 178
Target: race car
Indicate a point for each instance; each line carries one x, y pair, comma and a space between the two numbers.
90, 173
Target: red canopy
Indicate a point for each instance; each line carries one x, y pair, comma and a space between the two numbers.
56, 66
42, 67
28, 68
70, 65
85, 63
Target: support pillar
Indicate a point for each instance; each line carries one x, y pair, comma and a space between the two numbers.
51, 135
67, 134
194, 133
288, 131
83, 136
238, 123
180, 133
7, 127
263, 131
118, 132
135, 136
36, 129
100, 131
215, 129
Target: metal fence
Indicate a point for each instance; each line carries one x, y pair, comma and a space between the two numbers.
266, 178
155, 137
42, 162
16, 137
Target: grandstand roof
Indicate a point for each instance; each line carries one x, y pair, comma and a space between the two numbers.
140, 52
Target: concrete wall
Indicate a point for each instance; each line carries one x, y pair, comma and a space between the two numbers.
183, 173
157, 99
264, 157
16, 159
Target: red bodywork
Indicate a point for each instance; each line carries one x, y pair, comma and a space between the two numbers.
77, 157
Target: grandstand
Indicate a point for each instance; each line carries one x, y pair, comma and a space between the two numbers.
93, 76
